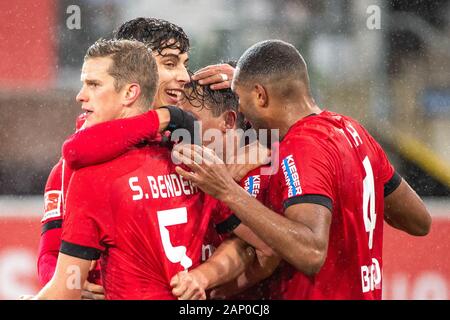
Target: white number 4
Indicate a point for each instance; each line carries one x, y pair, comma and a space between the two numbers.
169, 218
369, 214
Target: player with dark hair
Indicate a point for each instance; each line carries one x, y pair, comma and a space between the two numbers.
334, 188
217, 111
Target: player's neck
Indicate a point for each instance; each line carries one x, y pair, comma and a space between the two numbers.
131, 112
296, 111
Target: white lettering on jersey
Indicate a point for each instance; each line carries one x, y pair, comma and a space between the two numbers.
371, 276
52, 204
165, 186
168, 218
356, 138
291, 176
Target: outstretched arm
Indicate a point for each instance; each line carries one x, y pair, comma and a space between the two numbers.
108, 140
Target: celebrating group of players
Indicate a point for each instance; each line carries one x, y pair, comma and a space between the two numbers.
123, 221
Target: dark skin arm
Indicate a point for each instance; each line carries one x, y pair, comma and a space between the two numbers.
404, 210
300, 236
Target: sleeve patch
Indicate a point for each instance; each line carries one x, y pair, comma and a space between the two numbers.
52, 204
291, 176
253, 185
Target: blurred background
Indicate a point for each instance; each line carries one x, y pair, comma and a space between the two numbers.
384, 62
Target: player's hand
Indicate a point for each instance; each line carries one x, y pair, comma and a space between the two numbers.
219, 76
26, 297
208, 171
188, 286
248, 158
92, 291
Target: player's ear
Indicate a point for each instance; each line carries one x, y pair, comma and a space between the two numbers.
131, 93
261, 96
228, 120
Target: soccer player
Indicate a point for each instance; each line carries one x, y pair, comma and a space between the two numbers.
334, 188
138, 215
170, 47
220, 120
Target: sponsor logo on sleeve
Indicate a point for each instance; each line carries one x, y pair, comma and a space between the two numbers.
253, 185
291, 176
52, 204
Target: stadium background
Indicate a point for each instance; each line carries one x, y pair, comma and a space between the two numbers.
393, 77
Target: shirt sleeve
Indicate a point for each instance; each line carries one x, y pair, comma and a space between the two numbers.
51, 223
108, 140
49, 244
88, 224
53, 209
306, 173
386, 172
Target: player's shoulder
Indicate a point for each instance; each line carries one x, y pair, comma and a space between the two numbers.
149, 155
126, 162
313, 127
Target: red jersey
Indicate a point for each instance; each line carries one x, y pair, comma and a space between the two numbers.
143, 218
124, 134
256, 182
331, 160
54, 195
224, 222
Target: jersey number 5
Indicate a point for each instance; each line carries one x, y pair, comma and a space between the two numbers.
369, 214
170, 218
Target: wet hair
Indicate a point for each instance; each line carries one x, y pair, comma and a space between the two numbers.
271, 61
218, 101
132, 62
159, 34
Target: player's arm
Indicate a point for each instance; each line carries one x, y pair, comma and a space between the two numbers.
66, 283
300, 236
51, 223
108, 140
49, 244
228, 261
404, 210
261, 268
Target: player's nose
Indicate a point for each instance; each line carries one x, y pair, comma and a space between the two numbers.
183, 76
82, 96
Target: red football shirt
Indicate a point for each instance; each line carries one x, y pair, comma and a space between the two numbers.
50, 241
331, 160
256, 182
144, 220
